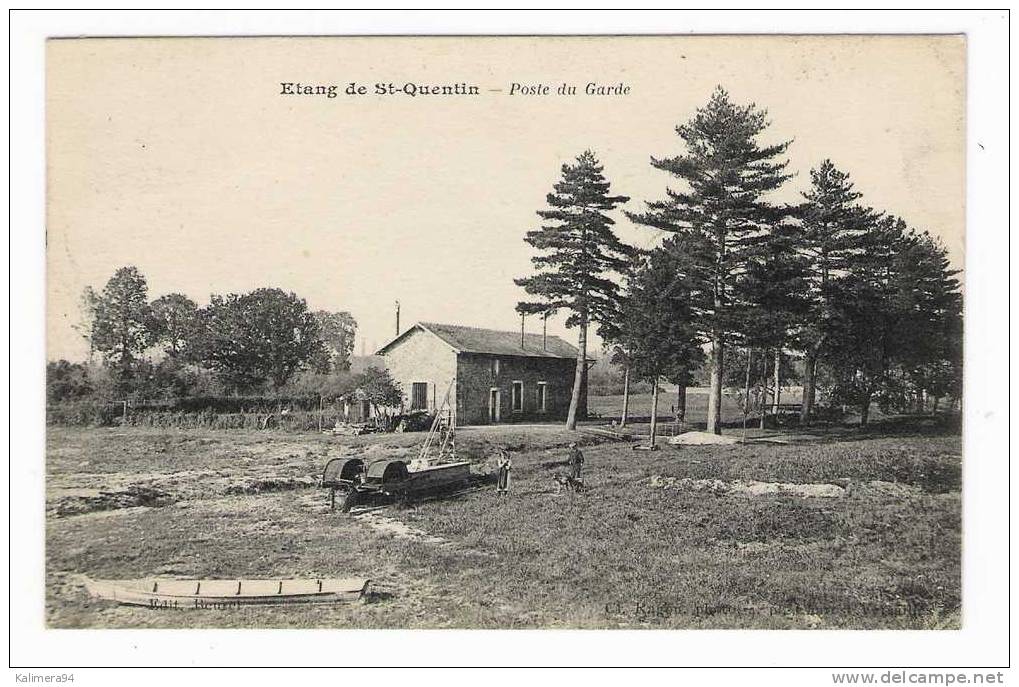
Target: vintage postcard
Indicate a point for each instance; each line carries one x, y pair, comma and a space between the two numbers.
604, 332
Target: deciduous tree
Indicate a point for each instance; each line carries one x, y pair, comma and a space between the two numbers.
66, 381
379, 388
121, 326
174, 318
337, 330
258, 339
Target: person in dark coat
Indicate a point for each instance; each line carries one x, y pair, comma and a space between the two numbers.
576, 462
505, 465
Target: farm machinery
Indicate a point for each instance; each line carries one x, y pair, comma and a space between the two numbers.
358, 480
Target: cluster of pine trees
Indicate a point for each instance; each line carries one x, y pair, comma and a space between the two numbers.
871, 305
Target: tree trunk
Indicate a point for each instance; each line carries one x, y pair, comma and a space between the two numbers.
762, 390
578, 379
681, 400
715, 389
582, 401
809, 368
865, 410
626, 397
746, 392
654, 412
777, 395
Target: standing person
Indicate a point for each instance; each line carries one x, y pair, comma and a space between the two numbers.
505, 465
576, 462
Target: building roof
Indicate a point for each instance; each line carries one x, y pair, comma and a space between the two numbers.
490, 341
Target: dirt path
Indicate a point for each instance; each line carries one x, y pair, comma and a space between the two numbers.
396, 528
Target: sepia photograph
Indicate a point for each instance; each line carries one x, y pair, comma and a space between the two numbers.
407, 333
624, 340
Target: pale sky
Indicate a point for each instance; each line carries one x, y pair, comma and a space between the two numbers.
179, 156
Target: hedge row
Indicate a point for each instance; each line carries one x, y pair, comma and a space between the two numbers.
97, 414
89, 413
229, 404
299, 421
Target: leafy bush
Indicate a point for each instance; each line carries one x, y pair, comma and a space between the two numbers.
66, 381
84, 413
414, 421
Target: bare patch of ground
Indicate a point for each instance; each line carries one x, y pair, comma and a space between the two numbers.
395, 528
80, 501
881, 488
749, 488
703, 439
79, 493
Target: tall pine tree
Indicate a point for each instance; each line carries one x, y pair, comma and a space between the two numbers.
774, 296
862, 336
934, 303
658, 328
579, 256
835, 232
613, 333
723, 210
928, 325
894, 332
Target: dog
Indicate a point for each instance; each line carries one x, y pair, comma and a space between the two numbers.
568, 483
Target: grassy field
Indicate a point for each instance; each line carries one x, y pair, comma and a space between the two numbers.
657, 540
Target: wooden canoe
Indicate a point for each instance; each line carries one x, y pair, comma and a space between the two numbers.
216, 594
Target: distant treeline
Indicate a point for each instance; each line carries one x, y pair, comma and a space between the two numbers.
239, 358
254, 343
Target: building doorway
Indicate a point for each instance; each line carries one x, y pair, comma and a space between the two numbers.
419, 396
493, 406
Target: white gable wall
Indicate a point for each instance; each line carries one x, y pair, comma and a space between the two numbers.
423, 357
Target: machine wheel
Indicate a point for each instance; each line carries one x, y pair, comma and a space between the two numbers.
351, 499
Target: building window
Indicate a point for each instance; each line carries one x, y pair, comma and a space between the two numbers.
541, 397
518, 397
419, 396
495, 367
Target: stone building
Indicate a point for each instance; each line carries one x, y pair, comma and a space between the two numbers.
490, 376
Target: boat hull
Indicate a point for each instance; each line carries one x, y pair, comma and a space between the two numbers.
219, 594
437, 476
